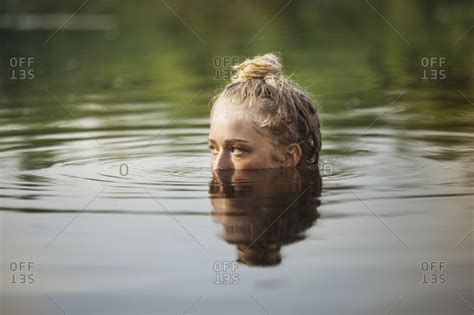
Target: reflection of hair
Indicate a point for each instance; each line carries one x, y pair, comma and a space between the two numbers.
269, 209
283, 109
261, 257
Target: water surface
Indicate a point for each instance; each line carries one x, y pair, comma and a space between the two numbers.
106, 185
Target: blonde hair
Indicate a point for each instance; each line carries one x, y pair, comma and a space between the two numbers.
283, 109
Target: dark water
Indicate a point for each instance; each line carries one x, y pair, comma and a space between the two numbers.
108, 205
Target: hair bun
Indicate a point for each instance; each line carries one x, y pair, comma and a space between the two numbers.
259, 67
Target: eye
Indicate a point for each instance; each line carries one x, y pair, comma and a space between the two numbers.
213, 149
237, 150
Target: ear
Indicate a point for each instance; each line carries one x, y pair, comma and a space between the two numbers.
292, 155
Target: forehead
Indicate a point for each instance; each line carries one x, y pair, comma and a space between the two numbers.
230, 121
228, 106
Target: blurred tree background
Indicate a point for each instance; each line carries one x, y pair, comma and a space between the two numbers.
348, 54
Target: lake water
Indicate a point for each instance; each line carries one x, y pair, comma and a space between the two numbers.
108, 204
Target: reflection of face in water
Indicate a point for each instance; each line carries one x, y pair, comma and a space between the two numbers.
262, 210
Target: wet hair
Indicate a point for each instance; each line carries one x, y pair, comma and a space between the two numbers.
282, 109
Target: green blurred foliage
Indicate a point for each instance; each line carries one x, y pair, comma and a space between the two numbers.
343, 52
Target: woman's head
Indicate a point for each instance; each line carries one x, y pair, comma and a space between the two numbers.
263, 120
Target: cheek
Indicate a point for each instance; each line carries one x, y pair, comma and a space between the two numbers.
255, 160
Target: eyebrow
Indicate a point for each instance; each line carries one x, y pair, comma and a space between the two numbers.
230, 140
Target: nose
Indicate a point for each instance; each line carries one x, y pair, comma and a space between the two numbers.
223, 161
